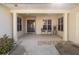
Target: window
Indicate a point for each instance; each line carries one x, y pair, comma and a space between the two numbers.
19, 24
46, 25
60, 24
49, 26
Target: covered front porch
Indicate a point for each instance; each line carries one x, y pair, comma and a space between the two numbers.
41, 39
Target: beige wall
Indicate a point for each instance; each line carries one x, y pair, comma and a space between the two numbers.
73, 27
77, 27
5, 21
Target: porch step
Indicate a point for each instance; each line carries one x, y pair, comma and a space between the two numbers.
67, 48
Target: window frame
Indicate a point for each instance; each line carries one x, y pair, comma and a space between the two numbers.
47, 23
19, 24
60, 24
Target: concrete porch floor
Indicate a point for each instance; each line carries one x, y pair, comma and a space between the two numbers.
31, 44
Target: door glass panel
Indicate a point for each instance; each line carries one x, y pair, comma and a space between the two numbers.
30, 25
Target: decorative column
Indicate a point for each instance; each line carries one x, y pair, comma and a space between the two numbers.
15, 27
65, 27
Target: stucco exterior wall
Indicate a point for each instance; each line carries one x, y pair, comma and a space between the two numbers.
5, 21
73, 27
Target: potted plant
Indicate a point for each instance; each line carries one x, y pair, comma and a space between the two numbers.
54, 30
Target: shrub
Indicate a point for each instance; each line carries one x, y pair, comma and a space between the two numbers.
6, 44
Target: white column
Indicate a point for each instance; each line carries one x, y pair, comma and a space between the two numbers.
65, 27
15, 26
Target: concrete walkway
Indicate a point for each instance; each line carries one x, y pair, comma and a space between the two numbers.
37, 45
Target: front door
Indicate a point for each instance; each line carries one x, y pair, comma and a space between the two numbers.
30, 25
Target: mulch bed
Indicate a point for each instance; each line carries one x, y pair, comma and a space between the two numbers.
67, 48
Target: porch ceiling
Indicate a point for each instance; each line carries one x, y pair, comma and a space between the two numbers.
43, 6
